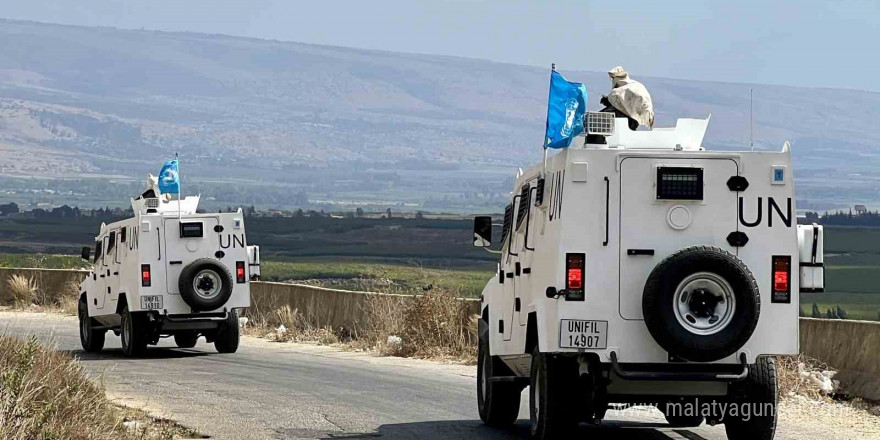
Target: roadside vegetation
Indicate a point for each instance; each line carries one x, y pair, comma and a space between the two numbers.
436, 325
47, 395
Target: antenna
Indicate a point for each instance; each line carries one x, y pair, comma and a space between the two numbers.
751, 122
553, 66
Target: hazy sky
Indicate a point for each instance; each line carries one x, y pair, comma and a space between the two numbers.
808, 43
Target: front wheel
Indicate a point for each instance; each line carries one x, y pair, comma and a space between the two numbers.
134, 333
552, 396
498, 402
228, 334
92, 340
752, 413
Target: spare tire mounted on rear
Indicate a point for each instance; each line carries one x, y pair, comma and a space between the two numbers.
701, 303
205, 284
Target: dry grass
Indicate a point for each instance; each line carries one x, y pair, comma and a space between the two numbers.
790, 381
435, 325
27, 293
285, 324
47, 395
67, 301
23, 290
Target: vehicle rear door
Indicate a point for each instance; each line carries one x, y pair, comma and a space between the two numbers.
199, 239
668, 204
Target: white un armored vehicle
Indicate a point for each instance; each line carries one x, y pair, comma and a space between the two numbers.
638, 268
168, 271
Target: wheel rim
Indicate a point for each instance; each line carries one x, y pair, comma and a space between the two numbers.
207, 284
704, 303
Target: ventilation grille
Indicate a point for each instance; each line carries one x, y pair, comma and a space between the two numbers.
600, 123
152, 203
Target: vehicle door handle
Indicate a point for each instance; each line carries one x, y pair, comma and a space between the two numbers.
640, 251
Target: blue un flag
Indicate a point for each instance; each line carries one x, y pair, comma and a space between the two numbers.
169, 179
565, 111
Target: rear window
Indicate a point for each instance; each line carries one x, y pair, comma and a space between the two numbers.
679, 183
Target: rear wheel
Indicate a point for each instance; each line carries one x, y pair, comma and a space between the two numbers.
228, 334
498, 402
92, 340
552, 396
186, 339
752, 414
134, 333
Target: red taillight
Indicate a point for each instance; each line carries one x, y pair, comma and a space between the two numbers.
780, 281
146, 278
574, 272
575, 279
240, 275
781, 273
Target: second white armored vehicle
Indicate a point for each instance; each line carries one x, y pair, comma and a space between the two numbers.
638, 268
168, 271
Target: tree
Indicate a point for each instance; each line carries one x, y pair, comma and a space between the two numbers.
841, 313
419, 215
388, 213
816, 312
359, 212
9, 208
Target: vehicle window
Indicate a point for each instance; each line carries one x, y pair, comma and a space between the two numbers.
98, 250
524, 205
104, 260
112, 243
123, 233
508, 219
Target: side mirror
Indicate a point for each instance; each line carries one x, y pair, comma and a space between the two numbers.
483, 231
86, 253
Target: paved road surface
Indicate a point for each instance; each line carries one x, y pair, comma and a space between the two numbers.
295, 391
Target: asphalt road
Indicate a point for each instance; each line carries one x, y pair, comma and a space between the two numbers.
296, 391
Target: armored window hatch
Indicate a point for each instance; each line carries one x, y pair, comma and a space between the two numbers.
679, 183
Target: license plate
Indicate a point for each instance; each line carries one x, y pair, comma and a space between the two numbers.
575, 333
151, 302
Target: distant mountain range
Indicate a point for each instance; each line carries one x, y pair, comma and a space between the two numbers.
276, 123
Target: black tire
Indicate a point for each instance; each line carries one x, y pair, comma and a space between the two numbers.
759, 391
134, 333
186, 339
659, 304
205, 273
92, 340
228, 334
498, 402
552, 396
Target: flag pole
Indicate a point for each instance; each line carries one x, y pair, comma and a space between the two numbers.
179, 187
544, 170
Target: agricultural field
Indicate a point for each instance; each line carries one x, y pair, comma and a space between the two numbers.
852, 274
377, 276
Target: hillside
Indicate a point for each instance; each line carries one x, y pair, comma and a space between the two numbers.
275, 123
